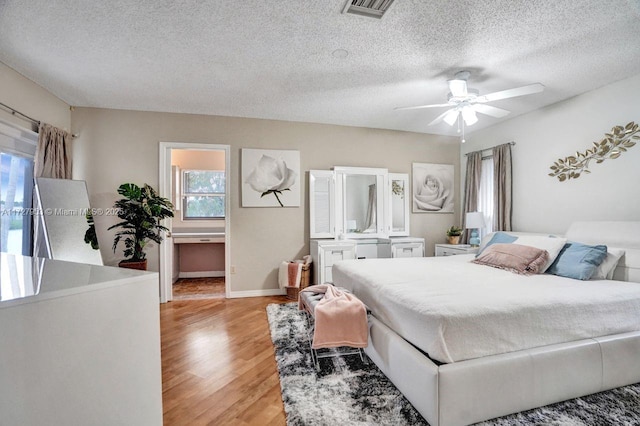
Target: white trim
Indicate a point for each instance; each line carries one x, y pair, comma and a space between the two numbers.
166, 252
201, 274
258, 293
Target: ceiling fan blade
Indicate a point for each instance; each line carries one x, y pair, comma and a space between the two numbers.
441, 117
422, 106
458, 87
490, 110
511, 93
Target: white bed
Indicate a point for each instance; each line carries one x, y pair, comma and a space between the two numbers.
509, 342
455, 310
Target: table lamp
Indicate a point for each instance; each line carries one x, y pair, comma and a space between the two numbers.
474, 221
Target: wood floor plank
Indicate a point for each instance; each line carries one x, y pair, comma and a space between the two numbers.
218, 364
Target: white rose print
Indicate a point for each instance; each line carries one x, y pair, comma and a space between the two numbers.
271, 176
433, 188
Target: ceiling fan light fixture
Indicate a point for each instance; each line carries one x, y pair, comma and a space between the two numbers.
469, 116
458, 88
451, 116
464, 102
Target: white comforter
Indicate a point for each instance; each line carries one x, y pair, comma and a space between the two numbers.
455, 310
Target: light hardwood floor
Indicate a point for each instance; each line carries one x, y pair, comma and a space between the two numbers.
218, 365
198, 288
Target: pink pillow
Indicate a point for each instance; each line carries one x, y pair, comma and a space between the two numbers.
524, 260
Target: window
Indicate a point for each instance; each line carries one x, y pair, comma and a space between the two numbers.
203, 194
17, 147
485, 195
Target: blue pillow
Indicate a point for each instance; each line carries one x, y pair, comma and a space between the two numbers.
498, 238
578, 261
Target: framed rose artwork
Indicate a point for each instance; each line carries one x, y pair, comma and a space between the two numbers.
270, 178
433, 190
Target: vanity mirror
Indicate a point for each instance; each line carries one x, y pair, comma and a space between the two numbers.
399, 204
64, 204
358, 202
361, 193
356, 210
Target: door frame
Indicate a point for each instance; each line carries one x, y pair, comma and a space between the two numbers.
166, 250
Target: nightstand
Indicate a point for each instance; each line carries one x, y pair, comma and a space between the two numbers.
454, 249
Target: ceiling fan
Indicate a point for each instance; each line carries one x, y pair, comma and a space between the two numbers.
466, 102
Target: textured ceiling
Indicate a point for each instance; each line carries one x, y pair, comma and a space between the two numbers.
273, 59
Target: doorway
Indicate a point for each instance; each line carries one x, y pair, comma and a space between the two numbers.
196, 255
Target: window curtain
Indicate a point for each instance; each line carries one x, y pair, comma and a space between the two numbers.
52, 160
471, 187
53, 157
502, 183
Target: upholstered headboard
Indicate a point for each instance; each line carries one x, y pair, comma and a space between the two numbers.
621, 235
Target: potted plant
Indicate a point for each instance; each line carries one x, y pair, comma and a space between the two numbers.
90, 236
141, 211
453, 234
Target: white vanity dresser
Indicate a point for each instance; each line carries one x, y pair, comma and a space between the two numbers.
357, 213
80, 344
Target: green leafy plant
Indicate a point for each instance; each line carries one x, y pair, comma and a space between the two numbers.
141, 211
610, 147
90, 236
454, 231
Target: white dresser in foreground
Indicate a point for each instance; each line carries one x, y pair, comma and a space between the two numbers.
454, 249
80, 344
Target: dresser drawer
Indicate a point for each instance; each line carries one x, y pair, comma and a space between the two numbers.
197, 240
450, 252
407, 250
453, 250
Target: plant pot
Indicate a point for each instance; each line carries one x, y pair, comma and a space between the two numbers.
141, 265
454, 239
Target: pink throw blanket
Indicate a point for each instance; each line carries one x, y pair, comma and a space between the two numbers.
523, 260
340, 319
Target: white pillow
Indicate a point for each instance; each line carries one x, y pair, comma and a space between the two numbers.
607, 268
553, 245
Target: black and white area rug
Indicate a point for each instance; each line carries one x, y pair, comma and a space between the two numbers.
347, 391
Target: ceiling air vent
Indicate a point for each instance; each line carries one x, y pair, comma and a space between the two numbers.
369, 8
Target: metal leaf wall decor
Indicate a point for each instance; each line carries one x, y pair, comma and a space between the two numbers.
611, 146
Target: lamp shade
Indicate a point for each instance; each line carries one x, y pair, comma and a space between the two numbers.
474, 220
451, 116
469, 116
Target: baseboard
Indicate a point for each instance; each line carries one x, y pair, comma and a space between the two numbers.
201, 274
258, 293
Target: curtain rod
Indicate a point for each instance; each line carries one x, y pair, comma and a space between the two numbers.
512, 143
23, 116
26, 117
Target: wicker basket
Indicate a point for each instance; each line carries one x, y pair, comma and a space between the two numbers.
305, 279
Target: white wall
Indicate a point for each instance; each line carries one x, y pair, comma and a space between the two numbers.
117, 146
122, 146
543, 204
31, 99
